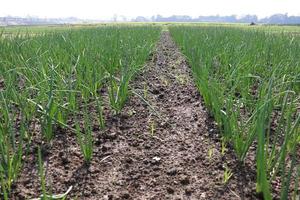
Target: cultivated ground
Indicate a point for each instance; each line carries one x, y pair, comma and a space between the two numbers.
168, 148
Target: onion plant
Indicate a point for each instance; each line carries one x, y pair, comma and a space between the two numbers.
50, 77
249, 80
10, 147
85, 137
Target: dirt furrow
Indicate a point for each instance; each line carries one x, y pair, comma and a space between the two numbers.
172, 153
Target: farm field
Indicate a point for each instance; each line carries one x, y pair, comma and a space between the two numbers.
253, 94
150, 111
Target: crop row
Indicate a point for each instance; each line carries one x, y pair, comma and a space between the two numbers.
250, 82
51, 80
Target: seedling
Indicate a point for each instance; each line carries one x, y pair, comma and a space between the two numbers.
42, 176
227, 175
131, 112
210, 153
101, 120
11, 149
85, 138
145, 91
152, 127
42, 172
223, 147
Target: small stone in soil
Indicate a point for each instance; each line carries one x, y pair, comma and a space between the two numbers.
203, 195
93, 169
155, 160
172, 172
111, 136
108, 197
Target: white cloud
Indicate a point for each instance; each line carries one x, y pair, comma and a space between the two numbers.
95, 9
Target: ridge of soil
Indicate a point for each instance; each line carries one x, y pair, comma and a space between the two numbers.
142, 156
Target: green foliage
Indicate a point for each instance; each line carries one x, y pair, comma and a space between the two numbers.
10, 148
85, 139
47, 75
249, 80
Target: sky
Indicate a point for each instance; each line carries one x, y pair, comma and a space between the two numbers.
106, 9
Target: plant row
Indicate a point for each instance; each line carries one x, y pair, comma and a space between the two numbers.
53, 79
250, 82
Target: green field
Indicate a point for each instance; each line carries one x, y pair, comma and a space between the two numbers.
58, 74
248, 76
250, 81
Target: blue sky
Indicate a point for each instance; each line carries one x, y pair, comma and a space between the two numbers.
105, 9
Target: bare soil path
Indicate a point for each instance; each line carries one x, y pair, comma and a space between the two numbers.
142, 156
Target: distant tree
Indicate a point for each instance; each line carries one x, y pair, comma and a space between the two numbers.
115, 17
248, 19
141, 19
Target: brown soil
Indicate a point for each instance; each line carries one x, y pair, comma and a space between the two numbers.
1, 84
173, 153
